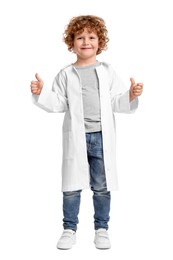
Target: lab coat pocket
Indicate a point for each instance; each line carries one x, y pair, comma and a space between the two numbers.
68, 146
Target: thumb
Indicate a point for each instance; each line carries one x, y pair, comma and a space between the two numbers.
132, 81
38, 77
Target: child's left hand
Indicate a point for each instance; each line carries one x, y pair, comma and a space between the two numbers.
135, 89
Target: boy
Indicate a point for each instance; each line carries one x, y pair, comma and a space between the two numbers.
89, 92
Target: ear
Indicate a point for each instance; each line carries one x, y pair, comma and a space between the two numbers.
72, 48
99, 47
98, 50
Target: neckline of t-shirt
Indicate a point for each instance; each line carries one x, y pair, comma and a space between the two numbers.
96, 64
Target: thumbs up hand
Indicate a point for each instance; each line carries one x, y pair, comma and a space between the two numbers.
36, 86
135, 89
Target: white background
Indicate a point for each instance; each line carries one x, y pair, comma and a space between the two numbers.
140, 46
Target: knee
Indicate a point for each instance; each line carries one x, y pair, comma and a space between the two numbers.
101, 192
71, 193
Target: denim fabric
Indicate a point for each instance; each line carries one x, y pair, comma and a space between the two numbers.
101, 197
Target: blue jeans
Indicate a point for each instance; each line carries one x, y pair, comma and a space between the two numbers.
101, 197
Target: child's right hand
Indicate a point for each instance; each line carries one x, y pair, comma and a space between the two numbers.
36, 86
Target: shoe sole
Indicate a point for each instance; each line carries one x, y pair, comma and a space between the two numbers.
103, 248
61, 247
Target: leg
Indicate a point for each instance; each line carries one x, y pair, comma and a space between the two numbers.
101, 200
101, 197
71, 204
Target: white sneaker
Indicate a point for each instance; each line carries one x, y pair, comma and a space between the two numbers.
102, 239
67, 240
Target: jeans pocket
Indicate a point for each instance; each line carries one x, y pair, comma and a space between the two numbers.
98, 141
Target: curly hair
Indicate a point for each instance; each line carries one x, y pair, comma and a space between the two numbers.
93, 24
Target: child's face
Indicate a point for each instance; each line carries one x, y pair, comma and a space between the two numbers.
86, 45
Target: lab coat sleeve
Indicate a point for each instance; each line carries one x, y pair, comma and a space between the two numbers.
120, 96
54, 100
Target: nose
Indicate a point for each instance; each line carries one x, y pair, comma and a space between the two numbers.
85, 41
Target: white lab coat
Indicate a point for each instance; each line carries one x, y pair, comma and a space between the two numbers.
66, 96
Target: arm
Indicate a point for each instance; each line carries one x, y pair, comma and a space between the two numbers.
54, 100
123, 100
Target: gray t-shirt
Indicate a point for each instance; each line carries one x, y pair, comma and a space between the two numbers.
91, 97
